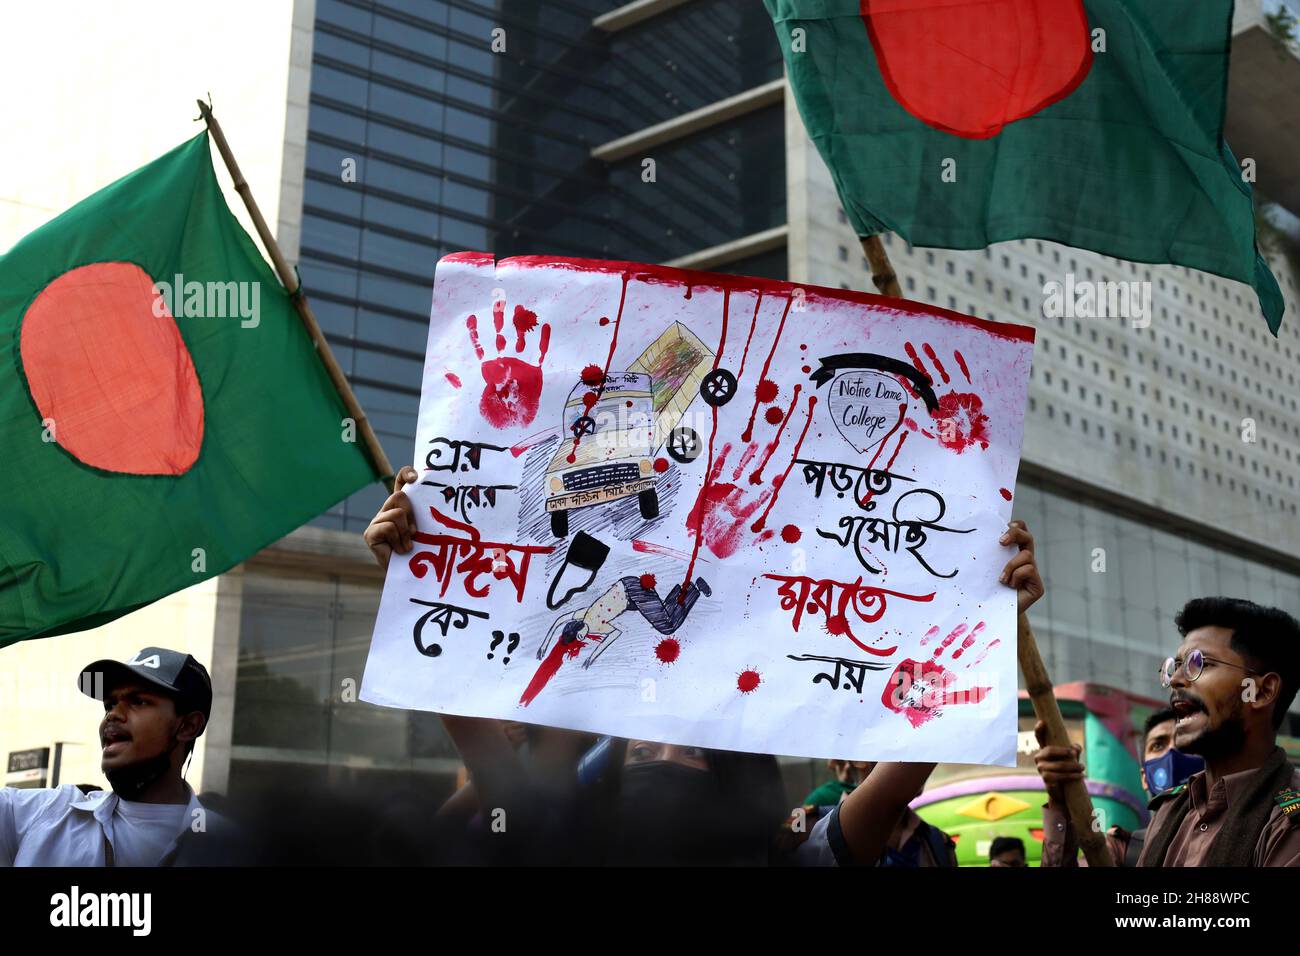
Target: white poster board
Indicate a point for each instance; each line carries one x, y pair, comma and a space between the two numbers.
710, 510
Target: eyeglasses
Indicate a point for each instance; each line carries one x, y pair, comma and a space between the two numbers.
1192, 666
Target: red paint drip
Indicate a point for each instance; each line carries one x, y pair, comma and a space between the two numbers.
546, 670
752, 322
961, 363
604, 373
929, 353
1004, 493
748, 681
767, 365
757, 477
604, 320
648, 582
791, 534
453, 378
661, 465
709, 473
668, 650
902, 407
778, 484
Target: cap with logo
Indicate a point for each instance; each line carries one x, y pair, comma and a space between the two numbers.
177, 674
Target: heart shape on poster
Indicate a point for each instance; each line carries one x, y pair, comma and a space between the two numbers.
866, 406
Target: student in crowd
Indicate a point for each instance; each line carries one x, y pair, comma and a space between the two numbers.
1007, 851
1163, 770
1230, 683
155, 707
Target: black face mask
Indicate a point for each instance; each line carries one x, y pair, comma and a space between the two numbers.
673, 815
130, 781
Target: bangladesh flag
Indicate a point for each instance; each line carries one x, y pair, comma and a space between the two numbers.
163, 414
1094, 123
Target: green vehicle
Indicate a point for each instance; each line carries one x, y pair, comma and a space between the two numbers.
974, 804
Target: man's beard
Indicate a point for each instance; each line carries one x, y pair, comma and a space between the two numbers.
131, 781
1227, 738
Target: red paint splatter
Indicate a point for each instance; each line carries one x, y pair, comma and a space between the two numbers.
604, 320
961, 363
961, 421
593, 376
837, 624
525, 320
766, 391
668, 650
512, 387
774, 415
1004, 493
767, 365
790, 534
648, 582
778, 483
661, 465
807, 369
929, 353
803, 347
546, 670
757, 477
453, 378
748, 681
499, 323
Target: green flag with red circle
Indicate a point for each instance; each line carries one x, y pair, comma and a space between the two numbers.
163, 414
1094, 123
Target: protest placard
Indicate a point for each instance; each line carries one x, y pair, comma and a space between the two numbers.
711, 510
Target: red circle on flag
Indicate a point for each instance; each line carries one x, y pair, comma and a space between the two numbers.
110, 374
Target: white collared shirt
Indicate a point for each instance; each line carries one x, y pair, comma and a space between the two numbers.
63, 827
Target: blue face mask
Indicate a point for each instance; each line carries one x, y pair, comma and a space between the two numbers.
1170, 769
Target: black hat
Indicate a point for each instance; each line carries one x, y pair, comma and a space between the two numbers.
180, 675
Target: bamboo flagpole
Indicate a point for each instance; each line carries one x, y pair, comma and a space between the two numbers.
289, 279
1037, 681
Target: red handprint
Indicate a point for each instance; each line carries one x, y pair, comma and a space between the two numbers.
919, 690
959, 421
511, 387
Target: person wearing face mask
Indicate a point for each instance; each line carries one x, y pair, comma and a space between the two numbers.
155, 707
673, 805
1164, 769
1230, 684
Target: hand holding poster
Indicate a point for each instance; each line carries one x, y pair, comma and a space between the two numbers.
712, 510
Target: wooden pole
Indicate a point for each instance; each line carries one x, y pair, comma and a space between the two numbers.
1037, 681
882, 270
289, 279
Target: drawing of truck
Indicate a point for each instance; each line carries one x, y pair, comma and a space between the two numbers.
612, 434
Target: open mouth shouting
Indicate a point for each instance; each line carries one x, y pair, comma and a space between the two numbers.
114, 739
1189, 714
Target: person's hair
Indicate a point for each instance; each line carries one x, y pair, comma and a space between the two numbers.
1002, 844
1157, 718
1267, 638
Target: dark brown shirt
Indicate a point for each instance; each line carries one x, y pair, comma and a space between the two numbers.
1278, 844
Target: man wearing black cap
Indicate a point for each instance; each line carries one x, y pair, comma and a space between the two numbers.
155, 707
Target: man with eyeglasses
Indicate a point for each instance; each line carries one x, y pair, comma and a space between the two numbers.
1230, 684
